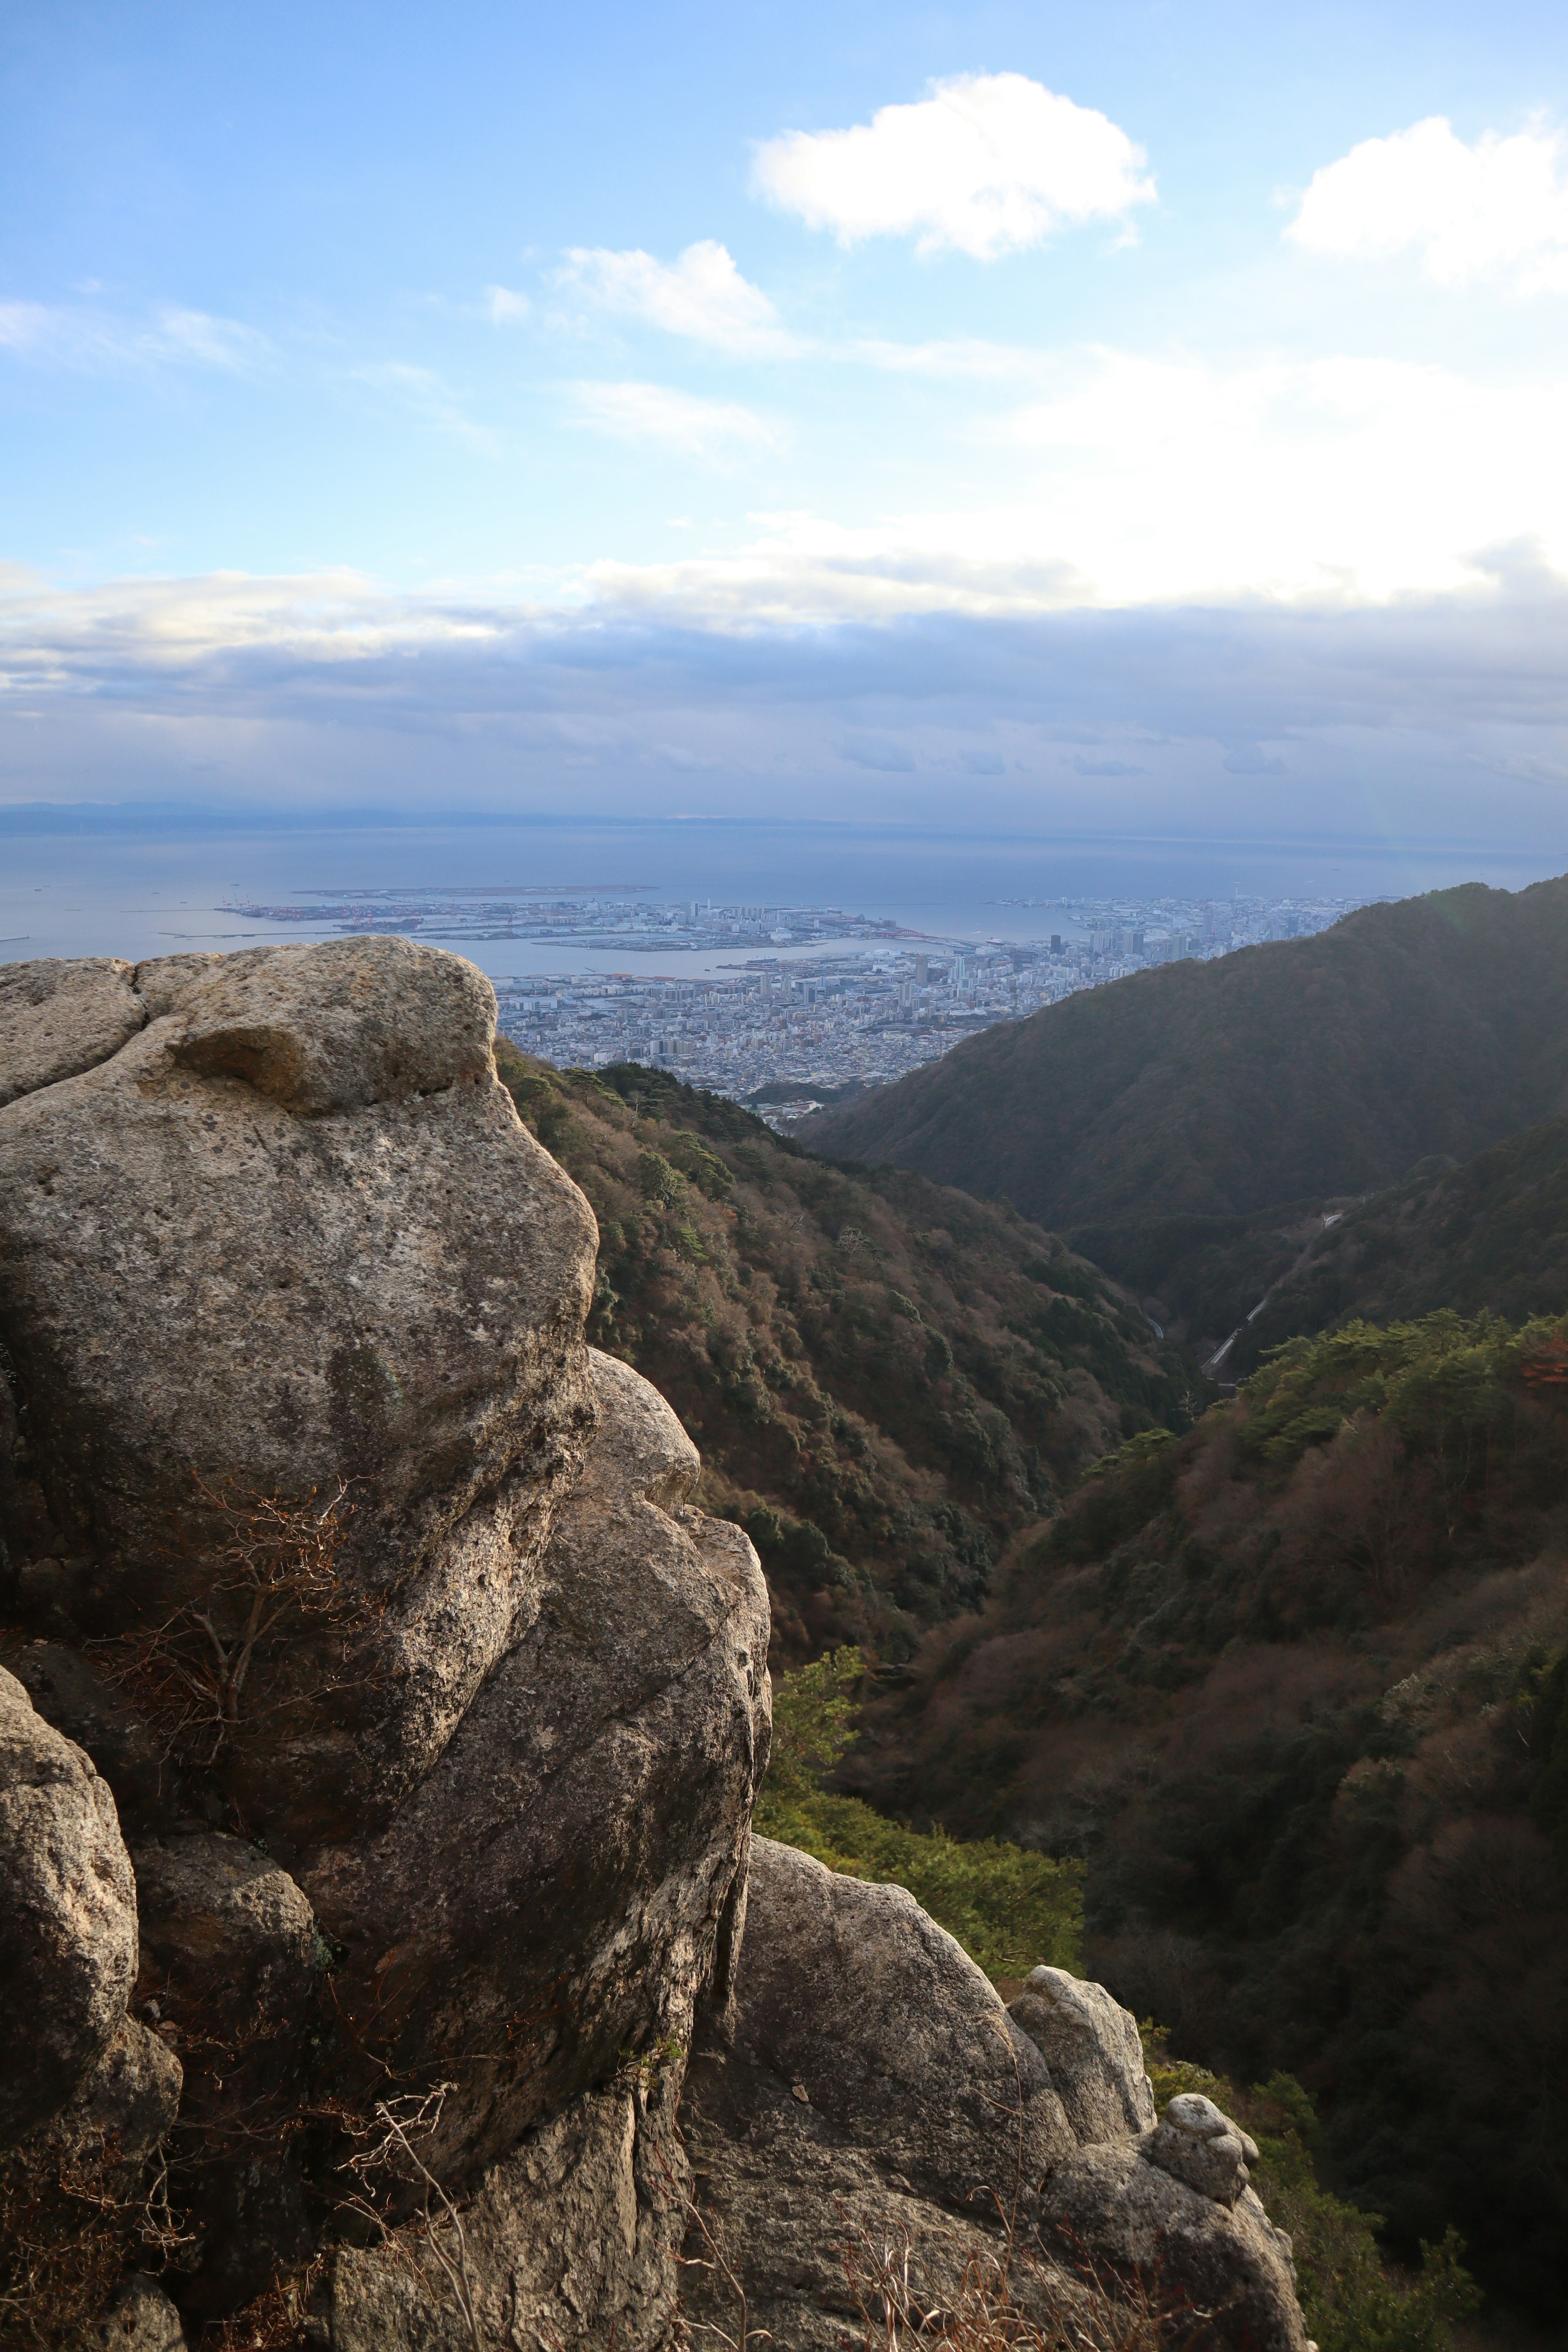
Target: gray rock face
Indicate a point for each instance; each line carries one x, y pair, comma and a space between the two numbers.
868, 2089
562, 1886
571, 2241
1195, 2143
1129, 2214
281, 1227
132, 2095
143, 2320
67, 1918
223, 1924
1091, 2045
229, 1954
866, 2078
291, 1231
57, 1018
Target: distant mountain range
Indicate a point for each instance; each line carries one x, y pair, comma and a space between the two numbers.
1310, 1072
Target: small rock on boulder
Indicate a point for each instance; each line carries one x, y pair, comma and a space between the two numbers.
1195, 2143
1091, 2045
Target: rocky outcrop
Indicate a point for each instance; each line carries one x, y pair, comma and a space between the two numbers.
868, 2088
260, 1250
566, 1881
230, 1962
1112, 2205
1092, 2048
449, 1867
1195, 2143
57, 1017
865, 2080
381, 1608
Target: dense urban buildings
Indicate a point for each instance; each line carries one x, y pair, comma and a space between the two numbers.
808, 1000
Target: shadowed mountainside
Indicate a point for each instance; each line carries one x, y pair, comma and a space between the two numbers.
1490, 1237
1325, 1067
1295, 1687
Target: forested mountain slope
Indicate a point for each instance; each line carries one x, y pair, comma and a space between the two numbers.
1326, 1066
888, 1380
1295, 1686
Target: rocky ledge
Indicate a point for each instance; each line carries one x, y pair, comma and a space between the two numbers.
385, 1953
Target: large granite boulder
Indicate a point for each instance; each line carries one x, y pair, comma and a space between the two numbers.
87, 2094
565, 1883
431, 1893
865, 2086
292, 1232
1093, 2047
57, 1017
231, 1962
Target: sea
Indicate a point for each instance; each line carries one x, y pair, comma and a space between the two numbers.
140, 882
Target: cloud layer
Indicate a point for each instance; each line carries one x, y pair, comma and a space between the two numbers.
1497, 210
1439, 720
989, 163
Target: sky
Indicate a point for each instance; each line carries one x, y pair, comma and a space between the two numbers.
1148, 418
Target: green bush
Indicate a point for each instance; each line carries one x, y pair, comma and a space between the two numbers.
1010, 1909
1350, 2301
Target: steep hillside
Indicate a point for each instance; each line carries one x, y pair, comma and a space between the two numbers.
1490, 1236
1295, 1687
1323, 1066
888, 1380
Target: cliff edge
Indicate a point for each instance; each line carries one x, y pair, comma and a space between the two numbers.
380, 1723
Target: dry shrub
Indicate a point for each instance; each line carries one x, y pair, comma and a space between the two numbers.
275, 1581
74, 2219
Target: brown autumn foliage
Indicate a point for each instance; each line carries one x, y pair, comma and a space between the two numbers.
890, 1381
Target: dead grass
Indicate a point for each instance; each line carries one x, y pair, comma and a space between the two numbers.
1007, 2300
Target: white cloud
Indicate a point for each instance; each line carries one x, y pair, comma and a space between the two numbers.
430, 397
702, 295
679, 421
987, 164
73, 336
506, 306
1352, 479
1499, 209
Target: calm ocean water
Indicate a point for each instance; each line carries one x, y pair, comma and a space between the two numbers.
148, 883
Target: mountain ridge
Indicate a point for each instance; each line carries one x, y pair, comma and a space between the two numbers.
1330, 1066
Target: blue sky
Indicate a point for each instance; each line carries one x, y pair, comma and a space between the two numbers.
1146, 414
